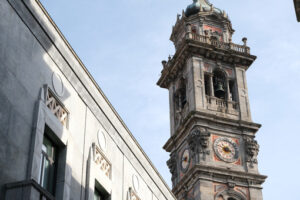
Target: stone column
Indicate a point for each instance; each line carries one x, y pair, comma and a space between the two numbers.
188, 31
228, 91
211, 84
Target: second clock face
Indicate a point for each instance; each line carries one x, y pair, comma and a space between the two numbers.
226, 149
185, 160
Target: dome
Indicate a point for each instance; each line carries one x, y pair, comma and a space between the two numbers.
200, 5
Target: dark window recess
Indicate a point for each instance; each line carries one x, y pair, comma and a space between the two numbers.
100, 193
180, 95
48, 165
207, 84
194, 29
232, 94
183, 97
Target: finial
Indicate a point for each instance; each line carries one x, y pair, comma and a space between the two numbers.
245, 41
164, 63
178, 17
201, 8
183, 14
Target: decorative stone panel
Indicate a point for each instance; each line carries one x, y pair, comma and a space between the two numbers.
56, 107
225, 191
172, 164
198, 141
252, 149
132, 195
101, 161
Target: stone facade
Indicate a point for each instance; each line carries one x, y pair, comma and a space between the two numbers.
46, 91
212, 144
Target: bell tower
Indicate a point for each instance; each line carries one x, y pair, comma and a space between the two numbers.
213, 151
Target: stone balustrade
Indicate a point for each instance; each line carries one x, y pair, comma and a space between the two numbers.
217, 43
218, 104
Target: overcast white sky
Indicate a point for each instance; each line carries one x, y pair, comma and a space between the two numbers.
122, 43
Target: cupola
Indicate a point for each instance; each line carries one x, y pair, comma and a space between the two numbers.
201, 6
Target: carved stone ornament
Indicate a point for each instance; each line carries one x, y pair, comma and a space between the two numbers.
252, 149
131, 195
101, 161
230, 193
172, 164
186, 194
198, 141
56, 107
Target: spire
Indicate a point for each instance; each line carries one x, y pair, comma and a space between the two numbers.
200, 6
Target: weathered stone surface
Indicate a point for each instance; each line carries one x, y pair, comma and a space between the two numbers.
216, 129
31, 50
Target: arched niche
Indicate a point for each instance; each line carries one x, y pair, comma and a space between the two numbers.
230, 195
180, 94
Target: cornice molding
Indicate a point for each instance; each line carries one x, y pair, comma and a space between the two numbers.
190, 47
198, 115
218, 174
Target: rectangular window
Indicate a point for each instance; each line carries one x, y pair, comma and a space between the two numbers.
100, 193
48, 165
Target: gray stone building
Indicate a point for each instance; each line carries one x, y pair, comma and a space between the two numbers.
212, 144
60, 138
297, 8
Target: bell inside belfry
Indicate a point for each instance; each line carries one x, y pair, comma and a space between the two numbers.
220, 92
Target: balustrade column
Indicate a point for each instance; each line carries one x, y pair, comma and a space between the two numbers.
211, 84
228, 91
189, 31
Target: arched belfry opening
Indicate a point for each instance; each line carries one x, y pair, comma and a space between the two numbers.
219, 81
180, 94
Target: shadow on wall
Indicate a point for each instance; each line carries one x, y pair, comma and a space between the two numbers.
28, 113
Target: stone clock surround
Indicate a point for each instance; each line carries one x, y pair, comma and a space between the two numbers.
234, 169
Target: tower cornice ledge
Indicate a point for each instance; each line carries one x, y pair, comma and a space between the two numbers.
196, 116
203, 46
220, 175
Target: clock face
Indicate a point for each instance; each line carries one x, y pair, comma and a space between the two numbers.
226, 149
185, 160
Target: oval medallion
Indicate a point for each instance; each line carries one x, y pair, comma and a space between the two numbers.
58, 85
